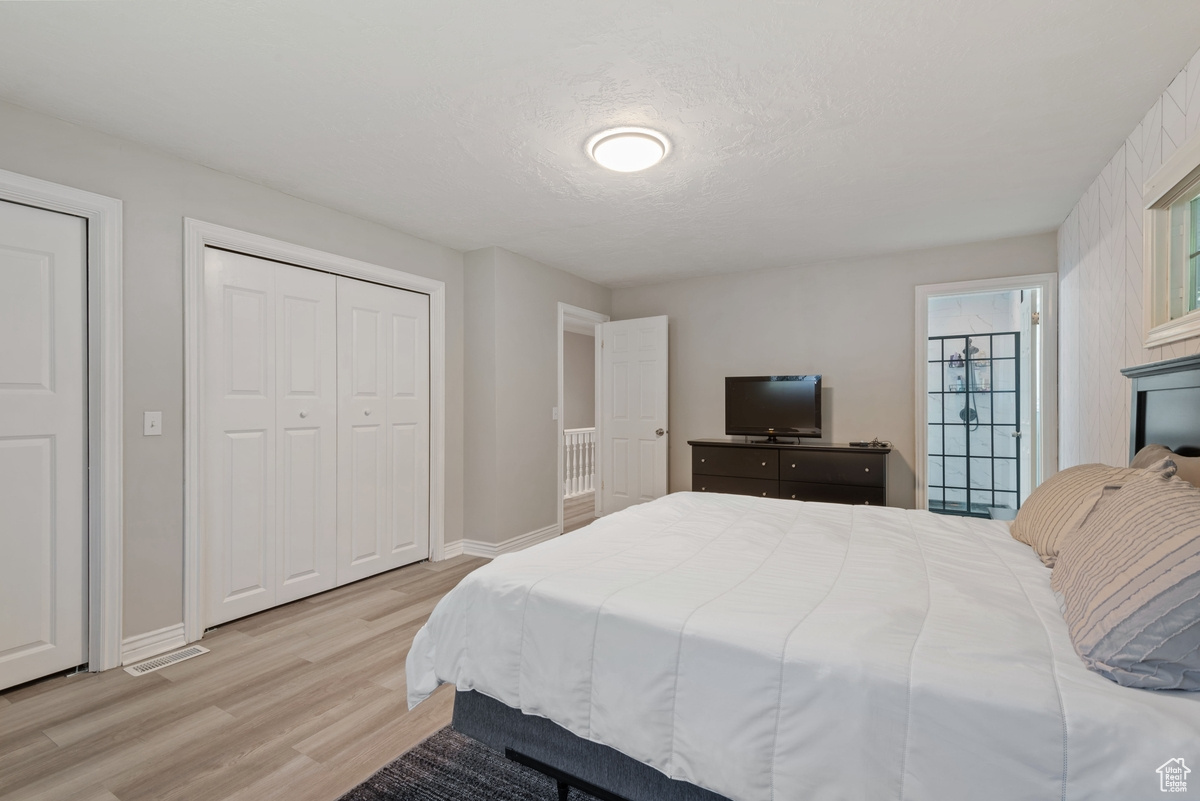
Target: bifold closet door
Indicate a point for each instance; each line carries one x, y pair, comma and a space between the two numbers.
383, 428
270, 441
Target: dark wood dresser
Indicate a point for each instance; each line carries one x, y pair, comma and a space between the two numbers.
830, 473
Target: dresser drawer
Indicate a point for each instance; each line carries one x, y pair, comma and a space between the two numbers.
743, 462
759, 487
832, 493
862, 469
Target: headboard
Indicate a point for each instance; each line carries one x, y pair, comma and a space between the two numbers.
1166, 405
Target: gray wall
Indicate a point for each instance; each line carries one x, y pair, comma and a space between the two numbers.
579, 380
851, 321
158, 191
479, 384
512, 387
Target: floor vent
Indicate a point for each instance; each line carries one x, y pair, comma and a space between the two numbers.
159, 662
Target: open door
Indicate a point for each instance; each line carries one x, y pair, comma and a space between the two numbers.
632, 419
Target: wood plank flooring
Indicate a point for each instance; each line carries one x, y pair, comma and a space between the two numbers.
578, 511
300, 703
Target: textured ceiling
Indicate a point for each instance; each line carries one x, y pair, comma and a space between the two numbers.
801, 131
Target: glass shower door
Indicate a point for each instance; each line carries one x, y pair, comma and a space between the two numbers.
974, 423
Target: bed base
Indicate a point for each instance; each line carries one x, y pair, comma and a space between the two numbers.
570, 760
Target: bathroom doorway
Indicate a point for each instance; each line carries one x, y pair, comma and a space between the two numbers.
986, 387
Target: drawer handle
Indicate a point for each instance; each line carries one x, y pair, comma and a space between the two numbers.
701, 461
868, 503
866, 470
793, 496
793, 464
764, 464
702, 489
764, 494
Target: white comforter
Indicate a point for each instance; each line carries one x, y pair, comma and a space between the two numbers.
779, 650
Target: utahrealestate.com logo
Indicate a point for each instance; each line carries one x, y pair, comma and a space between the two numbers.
1172, 776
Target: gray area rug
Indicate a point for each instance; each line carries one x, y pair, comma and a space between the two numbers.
452, 767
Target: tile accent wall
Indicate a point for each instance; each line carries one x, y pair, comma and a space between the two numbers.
1100, 284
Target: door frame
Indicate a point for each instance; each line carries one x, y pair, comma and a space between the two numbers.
197, 236
1047, 435
574, 318
104, 400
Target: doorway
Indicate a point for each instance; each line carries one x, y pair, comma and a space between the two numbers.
985, 394
60, 398
316, 432
200, 238
578, 382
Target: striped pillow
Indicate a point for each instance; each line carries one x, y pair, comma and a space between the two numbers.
1187, 467
1060, 503
1130, 580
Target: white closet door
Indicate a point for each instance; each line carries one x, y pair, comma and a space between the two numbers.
306, 444
239, 463
43, 511
383, 428
271, 422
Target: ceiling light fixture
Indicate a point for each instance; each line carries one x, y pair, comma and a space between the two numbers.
628, 149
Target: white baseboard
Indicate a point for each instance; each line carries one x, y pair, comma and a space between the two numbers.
152, 643
452, 549
491, 551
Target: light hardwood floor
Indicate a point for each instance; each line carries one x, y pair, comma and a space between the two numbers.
300, 703
578, 511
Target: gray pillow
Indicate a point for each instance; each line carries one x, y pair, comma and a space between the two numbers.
1129, 575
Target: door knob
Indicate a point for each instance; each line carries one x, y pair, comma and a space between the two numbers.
659, 432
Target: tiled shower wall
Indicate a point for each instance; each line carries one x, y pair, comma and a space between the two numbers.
1100, 284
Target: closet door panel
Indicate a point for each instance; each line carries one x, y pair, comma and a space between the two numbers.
362, 431
306, 455
405, 477
366, 503
239, 464
383, 408
408, 415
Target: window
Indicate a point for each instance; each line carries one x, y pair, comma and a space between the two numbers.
1172, 248
1193, 253
1184, 255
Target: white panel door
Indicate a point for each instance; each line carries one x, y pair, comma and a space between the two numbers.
633, 414
383, 428
306, 432
43, 461
239, 459
270, 463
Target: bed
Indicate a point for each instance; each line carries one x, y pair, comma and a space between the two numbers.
706, 646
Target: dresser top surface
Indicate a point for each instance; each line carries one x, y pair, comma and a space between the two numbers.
787, 446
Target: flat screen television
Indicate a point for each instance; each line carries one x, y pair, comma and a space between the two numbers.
773, 406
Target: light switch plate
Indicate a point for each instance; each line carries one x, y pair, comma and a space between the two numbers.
152, 424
